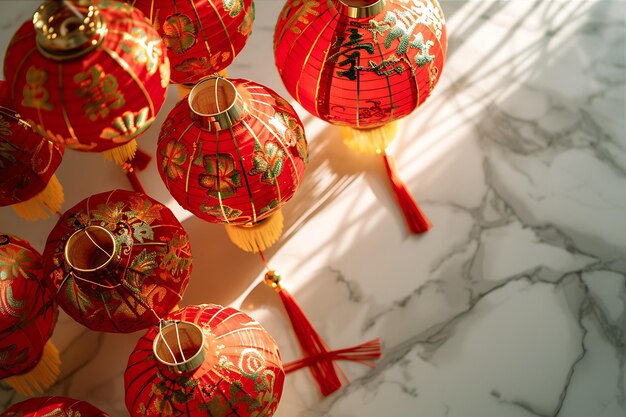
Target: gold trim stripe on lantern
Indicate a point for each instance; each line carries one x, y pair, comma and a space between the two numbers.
363, 64
234, 152
202, 36
205, 360
88, 90
29, 361
117, 261
27, 165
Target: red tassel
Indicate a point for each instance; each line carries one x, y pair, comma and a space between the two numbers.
415, 218
141, 160
138, 163
363, 354
131, 174
317, 356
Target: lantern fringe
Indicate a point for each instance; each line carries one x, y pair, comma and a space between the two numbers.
50, 198
317, 356
121, 154
371, 141
415, 218
42, 376
363, 354
258, 236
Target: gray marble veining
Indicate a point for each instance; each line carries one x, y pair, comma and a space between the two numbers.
514, 305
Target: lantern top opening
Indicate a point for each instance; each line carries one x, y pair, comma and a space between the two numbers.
66, 30
215, 103
360, 9
179, 346
91, 249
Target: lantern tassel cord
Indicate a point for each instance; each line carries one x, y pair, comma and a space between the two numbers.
138, 163
42, 376
317, 355
416, 220
363, 354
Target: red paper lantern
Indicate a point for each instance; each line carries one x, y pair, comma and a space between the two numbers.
88, 77
29, 362
234, 152
363, 64
53, 407
27, 165
202, 36
205, 360
360, 63
117, 261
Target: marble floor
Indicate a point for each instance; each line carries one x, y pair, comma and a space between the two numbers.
513, 305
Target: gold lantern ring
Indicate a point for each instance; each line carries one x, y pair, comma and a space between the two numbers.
360, 9
64, 32
176, 337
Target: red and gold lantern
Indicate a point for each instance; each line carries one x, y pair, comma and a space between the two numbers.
234, 152
205, 360
363, 64
202, 36
29, 362
90, 77
27, 165
53, 406
117, 261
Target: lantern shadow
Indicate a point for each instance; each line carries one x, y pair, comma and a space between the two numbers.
221, 271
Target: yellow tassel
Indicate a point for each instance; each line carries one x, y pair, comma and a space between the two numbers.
121, 154
50, 198
42, 376
372, 141
258, 236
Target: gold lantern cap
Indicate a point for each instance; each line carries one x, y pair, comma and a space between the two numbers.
215, 103
67, 29
360, 9
179, 346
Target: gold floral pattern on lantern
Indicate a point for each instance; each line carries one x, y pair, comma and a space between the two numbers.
174, 156
127, 126
35, 93
143, 48
102, 91
233, 7
222, 178
220, 212
268, 163
246, 26
179, 33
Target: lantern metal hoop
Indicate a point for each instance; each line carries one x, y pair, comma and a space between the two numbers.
218, 109
63, 36
361, 9
189, 339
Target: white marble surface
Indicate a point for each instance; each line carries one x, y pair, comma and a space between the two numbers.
514, 304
